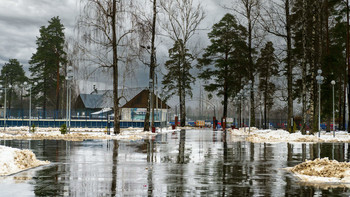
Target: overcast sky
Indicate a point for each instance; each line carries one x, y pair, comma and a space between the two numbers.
20, 21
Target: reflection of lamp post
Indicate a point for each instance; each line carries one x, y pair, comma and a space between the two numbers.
69, 78
333, 83
319, 79
30, 101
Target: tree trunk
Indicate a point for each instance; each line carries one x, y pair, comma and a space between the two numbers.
183, 97
115, 71
348, 56
10, 99
45, 95
151, 72
225, 88
265, 110
289, 68
304, 70
251, 63
58, 85
328, 128
340, 100
344, 100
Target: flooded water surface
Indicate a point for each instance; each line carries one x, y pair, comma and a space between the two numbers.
184, 163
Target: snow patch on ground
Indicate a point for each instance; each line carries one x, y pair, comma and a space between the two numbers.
323, 171
13, 160
276, 136
79, 134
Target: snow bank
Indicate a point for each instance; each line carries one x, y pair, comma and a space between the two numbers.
14, 160
242, 131
271, 136
76, 134
323, 171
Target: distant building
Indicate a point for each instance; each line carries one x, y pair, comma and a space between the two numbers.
99, 104
135, 109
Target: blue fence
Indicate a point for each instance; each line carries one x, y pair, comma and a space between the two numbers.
74, 123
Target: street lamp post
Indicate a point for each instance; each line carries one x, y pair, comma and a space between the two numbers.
69, 78
243, 97
319, 79
333, 83
5, 101
249, 89
30, 101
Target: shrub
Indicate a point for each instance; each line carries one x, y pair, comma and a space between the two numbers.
33, 128
63, 129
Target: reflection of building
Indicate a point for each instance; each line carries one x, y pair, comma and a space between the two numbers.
99, 104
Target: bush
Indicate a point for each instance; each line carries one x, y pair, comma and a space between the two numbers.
63, 129
33, 128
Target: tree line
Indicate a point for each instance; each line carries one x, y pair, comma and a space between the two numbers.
47, 68
275, 46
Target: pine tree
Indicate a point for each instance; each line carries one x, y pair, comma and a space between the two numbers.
47, 62
178, 80
12, 73
267, 68
316, 48
224, 63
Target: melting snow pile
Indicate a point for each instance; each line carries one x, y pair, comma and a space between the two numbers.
323, 171
280, 136
76, 134
270, 136
243, 131
13, 160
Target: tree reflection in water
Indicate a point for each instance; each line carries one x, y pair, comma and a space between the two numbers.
184, 163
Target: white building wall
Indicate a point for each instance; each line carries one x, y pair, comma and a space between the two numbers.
138, 114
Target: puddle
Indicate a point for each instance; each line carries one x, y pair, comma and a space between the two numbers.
182, 163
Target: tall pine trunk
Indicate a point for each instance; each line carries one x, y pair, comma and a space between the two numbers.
289, 68
348, 56
58, 83
251, 64
304, 70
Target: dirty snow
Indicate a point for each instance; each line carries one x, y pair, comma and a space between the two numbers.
13, 160
323, 171
271, 136
77, 134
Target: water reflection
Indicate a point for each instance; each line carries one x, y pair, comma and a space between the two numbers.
184, 163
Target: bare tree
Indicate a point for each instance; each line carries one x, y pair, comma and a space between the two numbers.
106, 26
152, 67
182, 19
